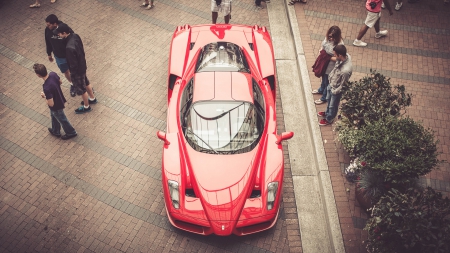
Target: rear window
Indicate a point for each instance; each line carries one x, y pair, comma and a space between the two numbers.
222, 56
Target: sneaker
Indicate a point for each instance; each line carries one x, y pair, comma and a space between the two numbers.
72, 91
91, 102
383, 6
51, 131
259, 7
316, 91
150, 7
144, 4
321, 114
66, 137
359, 43
324, 122
381, 34
81, 110
319, 102
398, 6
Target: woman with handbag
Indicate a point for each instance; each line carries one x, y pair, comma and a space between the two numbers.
332, 39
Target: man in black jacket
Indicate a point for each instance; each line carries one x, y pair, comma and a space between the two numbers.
57, 45
77, 64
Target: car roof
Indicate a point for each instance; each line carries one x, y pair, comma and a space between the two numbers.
223, 86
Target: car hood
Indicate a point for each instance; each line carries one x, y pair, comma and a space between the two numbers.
223, 182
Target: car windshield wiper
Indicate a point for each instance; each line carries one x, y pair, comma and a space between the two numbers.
201, 140
218, 116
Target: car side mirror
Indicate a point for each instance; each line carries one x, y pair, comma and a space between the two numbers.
284, 136
162, 136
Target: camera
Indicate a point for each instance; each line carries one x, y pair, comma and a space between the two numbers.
373, 5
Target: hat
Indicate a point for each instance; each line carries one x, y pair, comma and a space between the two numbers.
62, 28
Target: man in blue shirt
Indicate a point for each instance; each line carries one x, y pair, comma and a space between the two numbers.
55, 100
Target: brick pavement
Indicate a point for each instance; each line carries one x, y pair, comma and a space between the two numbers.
101, 191
416, 53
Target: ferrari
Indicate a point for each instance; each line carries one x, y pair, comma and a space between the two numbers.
222, 164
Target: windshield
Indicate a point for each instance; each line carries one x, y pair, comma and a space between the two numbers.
223, 127
222, 56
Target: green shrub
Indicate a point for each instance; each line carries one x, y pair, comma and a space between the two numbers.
400, 149
370, 99
417, 221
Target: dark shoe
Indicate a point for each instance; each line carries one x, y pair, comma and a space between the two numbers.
66, 137
72, 91
90, 102
51, 131
81, 110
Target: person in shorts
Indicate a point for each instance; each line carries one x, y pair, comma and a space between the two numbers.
77, 64
57, 46
222, 6
55, 101
372, 20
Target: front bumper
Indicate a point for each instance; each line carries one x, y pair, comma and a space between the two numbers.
250, 222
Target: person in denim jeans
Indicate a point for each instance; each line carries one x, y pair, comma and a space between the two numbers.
55, 100
340, 74
333, 38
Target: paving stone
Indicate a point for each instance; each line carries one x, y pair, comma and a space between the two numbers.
410, 41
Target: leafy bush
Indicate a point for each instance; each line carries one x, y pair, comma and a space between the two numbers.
417, 221
401, 149
371, 99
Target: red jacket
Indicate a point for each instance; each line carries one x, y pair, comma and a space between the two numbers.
321, 64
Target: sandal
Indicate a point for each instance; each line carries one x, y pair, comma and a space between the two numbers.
150, 7
35, 6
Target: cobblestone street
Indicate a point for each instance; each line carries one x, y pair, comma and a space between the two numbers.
101, 191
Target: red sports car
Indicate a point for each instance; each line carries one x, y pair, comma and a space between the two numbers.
222, 168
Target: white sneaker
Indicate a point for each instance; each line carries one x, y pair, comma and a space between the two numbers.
382, 5
359, 43
381, 34
398, 6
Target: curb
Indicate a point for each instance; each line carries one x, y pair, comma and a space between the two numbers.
316, 207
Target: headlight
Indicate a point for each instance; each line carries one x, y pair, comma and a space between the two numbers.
174, 193
272, 188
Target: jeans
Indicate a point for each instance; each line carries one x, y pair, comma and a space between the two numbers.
323, 87
59, 119
333, 104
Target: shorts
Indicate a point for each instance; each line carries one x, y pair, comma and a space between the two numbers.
79, 83
372, 18
62, 64
224, 8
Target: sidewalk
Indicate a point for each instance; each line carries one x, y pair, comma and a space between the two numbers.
416, 53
